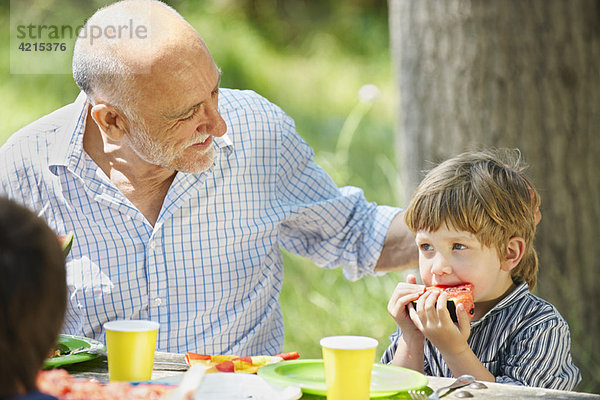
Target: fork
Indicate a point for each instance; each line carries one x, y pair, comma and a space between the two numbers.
461, 381
417, 394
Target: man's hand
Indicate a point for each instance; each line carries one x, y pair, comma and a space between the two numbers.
399, 250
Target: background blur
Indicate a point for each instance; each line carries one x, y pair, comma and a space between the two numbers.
310, 58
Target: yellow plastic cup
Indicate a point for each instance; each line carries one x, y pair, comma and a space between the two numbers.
348, 362
130, 348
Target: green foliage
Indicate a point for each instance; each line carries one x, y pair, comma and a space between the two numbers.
310, 58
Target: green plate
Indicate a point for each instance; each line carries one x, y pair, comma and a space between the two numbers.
70, 343
386, 380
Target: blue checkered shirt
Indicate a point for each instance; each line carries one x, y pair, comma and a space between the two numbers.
210, 269
523, 340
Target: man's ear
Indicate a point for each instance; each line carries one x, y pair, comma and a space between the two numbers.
110, 121
514, 252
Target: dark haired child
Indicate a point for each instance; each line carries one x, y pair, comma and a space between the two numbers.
33, 296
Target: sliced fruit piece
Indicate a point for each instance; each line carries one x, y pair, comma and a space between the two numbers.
66, 242
459, 294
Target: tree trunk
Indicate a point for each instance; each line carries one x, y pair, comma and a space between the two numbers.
524, 74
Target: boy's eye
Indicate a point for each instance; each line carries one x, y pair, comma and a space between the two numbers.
426, 247
458, 246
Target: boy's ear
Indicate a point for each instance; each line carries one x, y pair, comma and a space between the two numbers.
514, 252
109, 120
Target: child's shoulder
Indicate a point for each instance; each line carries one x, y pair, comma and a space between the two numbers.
533, 310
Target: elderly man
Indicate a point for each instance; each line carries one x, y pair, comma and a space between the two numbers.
180, 193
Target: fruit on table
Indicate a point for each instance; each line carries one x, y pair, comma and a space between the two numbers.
59, 383
232, 363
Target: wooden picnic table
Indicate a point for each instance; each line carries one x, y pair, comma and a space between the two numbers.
171, 364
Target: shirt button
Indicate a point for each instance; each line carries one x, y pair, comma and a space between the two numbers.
157, 302
152, 245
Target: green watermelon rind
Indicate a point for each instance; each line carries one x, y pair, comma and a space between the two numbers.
451, 305
66, 242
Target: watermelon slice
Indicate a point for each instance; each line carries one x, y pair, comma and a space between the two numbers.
66, 242
460, 294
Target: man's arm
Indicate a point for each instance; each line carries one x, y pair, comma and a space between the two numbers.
399, 248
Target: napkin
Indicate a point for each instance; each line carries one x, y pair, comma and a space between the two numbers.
231, 363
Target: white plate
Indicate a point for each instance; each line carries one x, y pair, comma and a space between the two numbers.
231, 386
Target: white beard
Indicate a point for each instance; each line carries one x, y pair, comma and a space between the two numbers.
167, 157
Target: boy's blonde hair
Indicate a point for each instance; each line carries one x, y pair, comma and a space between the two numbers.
486, 194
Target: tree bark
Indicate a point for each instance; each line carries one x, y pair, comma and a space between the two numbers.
525, 74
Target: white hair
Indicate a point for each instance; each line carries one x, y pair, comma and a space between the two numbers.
100, 66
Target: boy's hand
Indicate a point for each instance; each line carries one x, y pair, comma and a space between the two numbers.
400, 305
433, 319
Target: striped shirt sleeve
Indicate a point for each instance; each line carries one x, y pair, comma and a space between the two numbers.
331, 226
539, 356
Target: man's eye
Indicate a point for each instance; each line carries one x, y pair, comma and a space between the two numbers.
190, 117
458, 246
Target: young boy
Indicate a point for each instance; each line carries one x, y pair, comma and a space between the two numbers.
33, 298
474, 217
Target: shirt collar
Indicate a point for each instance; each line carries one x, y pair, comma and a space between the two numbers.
225, 143
519, 292
69, 133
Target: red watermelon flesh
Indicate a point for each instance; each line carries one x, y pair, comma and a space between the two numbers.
459, 294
